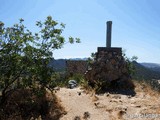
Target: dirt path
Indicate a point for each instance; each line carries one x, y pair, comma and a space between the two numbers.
77, 105
108, 106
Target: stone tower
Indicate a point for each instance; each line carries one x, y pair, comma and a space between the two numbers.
109, 64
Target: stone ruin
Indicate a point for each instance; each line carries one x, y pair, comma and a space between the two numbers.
76, 67
109, 66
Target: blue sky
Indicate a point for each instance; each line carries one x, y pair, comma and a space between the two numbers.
135, 28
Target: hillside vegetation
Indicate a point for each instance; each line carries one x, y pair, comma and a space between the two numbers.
141, 72
145, 73
24, 73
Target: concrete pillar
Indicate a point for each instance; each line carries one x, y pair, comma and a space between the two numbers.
108, 34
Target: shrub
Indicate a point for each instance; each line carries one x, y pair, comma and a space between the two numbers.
24, 104
24, 59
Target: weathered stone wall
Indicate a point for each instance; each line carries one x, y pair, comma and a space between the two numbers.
76, 67
109, 65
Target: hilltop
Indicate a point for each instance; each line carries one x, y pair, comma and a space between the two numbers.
91, 106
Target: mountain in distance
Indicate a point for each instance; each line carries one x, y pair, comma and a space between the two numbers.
59, 65
152, 66
145, 72
142, 70
78, 59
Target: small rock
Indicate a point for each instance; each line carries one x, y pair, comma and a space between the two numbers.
107, 94
86, 115
138, 106
79, 93
72, 84
77, 118
96, 104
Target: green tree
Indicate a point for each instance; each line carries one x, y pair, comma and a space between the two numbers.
24, 55
130, 62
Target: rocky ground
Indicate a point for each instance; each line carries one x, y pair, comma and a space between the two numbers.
81, 105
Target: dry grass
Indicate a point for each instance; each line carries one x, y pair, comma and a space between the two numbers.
145, 87
23, 104
95, 98
154, 98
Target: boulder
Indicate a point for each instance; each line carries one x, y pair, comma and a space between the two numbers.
72, 84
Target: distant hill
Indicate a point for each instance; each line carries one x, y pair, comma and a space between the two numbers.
146, 71
77, 59
143, 71
152, 66
58, 65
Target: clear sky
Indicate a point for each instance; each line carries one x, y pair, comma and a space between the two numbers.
135, 28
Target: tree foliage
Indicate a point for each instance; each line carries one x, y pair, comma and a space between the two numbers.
130, 63
24, 55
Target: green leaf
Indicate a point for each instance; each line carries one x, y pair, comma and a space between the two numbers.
78, 40
62, 25
71, 40
21, 20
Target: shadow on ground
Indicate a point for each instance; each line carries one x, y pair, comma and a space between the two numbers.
124, 87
